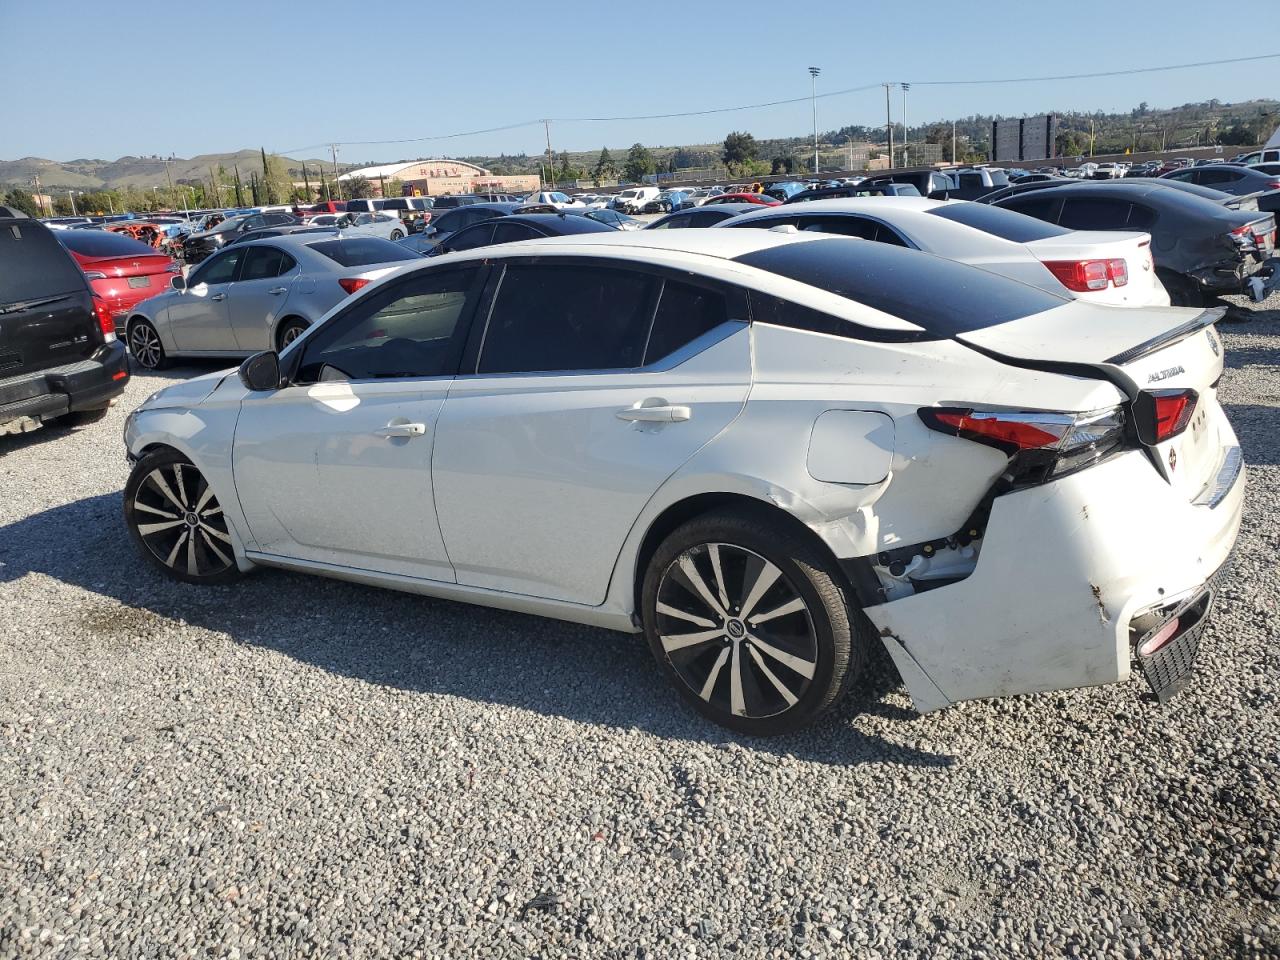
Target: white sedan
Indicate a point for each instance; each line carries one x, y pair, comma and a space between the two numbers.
1103, 266
766, 451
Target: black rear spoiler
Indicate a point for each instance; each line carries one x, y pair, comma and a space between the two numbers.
1204, 319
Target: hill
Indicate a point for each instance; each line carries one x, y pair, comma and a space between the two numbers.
143, 172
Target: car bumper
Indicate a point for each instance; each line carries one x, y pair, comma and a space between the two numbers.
1071, 574
84, 385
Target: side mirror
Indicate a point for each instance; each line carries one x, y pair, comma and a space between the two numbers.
179, 282
261, 371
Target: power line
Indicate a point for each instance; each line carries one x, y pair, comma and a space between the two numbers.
1104, 73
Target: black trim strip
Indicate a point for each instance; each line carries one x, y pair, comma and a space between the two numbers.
1204, 319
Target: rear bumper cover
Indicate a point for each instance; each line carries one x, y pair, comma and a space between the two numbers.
1064, 571
84, 385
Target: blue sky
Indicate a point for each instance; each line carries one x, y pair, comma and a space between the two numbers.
74, 78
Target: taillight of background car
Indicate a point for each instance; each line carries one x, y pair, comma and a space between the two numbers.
1083, 276
352, 284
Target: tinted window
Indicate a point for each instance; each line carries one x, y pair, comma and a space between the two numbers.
33, 265
361, 251
783, 313
1184, 175
672, 223
100, 243
262, 263
1141, 218
1040, 207
1209, 177
480, 235
968, 180
504, 232
684, 313
220, 269
943, 297
1094, 213
569, 318
411, 329
1004, 224
279, 218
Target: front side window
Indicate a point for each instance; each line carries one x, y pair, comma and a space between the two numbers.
410, 329
567, 318
219, 269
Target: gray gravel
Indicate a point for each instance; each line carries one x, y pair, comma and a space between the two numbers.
294, 767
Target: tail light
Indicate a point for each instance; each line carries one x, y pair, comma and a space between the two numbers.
352, 284
1085, 275
1273, 185
1161, 415
105, 321
94, 275
1040, 445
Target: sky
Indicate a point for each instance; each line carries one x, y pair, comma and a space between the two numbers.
87, 79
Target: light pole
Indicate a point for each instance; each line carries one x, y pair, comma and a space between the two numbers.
888, 123
905, 138
813, 101
72, 195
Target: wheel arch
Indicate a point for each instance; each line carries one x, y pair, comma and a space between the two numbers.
279, 325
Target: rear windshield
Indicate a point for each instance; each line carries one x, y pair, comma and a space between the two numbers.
944, 297
362, 251
33, 265
1005, 224
100, 243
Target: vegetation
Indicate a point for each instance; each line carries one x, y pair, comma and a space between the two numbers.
740, 149
639, 163
20, 200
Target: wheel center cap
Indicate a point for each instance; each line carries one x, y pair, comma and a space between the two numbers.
192, 520
735, 629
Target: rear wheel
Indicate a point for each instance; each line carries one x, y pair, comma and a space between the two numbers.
750, 621
290, 330
145, 345
397, 235
1183, 292
177, 522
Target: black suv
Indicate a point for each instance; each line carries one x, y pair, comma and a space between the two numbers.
59, 356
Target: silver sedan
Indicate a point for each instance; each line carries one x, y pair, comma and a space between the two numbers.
256, 296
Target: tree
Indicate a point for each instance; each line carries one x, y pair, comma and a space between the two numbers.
739, 150
393, 188
605, 168
21, 200
639, 163
780, 165
357, 188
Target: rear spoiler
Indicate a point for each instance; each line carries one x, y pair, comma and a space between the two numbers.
1204, 319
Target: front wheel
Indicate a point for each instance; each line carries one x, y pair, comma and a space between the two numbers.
750, 621
177, 522
397, 235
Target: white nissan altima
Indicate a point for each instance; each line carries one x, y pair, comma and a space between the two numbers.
765, 451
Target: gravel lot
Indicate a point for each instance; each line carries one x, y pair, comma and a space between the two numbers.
297, 767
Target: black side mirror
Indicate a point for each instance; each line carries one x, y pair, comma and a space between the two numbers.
261, 371
179, 282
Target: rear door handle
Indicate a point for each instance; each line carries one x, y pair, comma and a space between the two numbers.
278, 290
665, 413
403, 430
218, 296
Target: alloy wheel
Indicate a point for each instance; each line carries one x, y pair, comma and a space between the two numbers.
144, 344
291, 333
181, 522
736, 630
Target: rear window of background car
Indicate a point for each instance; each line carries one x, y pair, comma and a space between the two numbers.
33, 264
100, 243
1005, 224
361, 251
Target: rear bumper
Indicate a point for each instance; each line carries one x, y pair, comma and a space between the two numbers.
85, 385
1067, 573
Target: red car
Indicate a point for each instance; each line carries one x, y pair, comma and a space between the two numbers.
328, 206
763, 199
121, 271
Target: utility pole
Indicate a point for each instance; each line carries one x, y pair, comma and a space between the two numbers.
40, 196
1091, 136
72, 195
813, 101
888, 123
953, 141
905, 138
333, 147
551, 157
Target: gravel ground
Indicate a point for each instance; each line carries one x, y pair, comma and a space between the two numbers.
297, 767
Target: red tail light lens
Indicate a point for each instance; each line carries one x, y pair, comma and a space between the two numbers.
352, 284
1081, 275
105, 322
999, 430
1118, 271
1173, 410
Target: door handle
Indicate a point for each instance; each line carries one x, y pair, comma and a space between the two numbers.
663, 413
402, 430
278, 290
218, 296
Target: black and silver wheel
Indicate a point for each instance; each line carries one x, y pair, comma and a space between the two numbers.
176, 520
750, 621
145, 345
290, 331
397, 235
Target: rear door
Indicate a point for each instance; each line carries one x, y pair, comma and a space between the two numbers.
46, 313
258, 298
590, 385
197, 319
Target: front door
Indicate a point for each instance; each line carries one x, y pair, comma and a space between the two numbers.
335, 467
198, 318
593, 385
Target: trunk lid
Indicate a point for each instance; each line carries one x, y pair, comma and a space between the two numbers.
1139, 350
1142, 288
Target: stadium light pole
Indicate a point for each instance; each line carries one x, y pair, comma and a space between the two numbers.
905, 138
813, 101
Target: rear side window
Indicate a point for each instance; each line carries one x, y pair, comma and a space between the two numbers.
567, 318
943, 297
1005, 224
478, 236
684, 313
361, 251
100, 243
33, 264
505, 232
263, 263
1094, 213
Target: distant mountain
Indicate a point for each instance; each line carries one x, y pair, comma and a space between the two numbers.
142, 172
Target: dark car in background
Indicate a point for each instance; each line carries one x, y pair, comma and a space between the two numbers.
708, 215
524, 226
926, 182
1202, 249
265, 232
121, 271
60, 359
1235, 180
197, 246
448, 222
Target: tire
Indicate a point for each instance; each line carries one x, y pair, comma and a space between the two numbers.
755, 679
289, 331
397, 235
145, 346
192, 544
82, 418
1182, 292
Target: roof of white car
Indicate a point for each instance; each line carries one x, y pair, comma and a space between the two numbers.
721, 244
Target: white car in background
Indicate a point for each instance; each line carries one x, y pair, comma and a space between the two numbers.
1102, 266
388, 226
767, 451
553, 198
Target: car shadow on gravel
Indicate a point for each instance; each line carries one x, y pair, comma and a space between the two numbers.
419, 644
1255, 427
